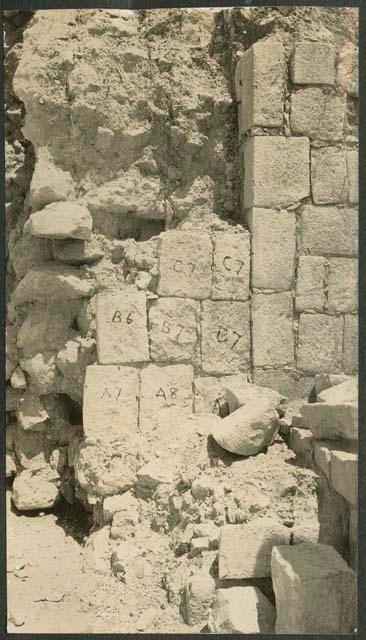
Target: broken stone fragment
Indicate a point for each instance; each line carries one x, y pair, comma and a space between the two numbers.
238, 392
41, 371
242, 610
17, 379
61, 220
122, 557
346, 391
154, 473
49, 183
126, 519
10, 465
302, 443
324, 381
332, 421
315, 590
104, 469
31, 413
343, 474
97, 553
35, 490
77, 252
53, 283
126, 502
197, 598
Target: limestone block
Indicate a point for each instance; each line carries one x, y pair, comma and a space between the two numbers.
343, 285
242, 610
315, 590
197, 598
154, 473
105, 468
332, 421
185, 265
348, 68
329, 230
35, 490
77, 252
231, 267
289, 383
125, 514
238, 391
352, 170
322, 449
273, 248
31, 413
61, 220
273, 339
320, 343
276, 171
245, 550
302, 443
345, 391
263, 70
207, 390
343, 474
317, 114
225, 337
173, 329
329, 181
313, 63
125, 502
306, 530
122, 327
165, 390
53, 283
49, 183
310, 284
327, 380
110, 403
350, 344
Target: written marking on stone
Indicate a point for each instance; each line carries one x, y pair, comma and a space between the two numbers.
224, 335
168, 328
172, 392
117, 317
111, 396
179, 266
232, 264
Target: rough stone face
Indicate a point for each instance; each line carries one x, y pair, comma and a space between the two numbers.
276, 171
110, 403
122, 327
273, 339
250, 428
31, 413
225, 337
117, 504
104, 468
53, 283
197, 598
317, 114
310, 284
61, 220
332, 421
245, 550
242, 610
185, 265
313, 63
329, 182
173, 329
231, 267
207, 390
126, 517
329, 230
320, 343
343, 473
348, 68
327, 380
343, 285
301, 442
165, 390
49, 183
345, 391
273, 248
350, 344
238, 391
305, 576
35, 489
77, 252
287, 382
97, 553
352, 169
262, 85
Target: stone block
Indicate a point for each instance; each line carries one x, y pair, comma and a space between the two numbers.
245, 550
273, 248
110, 402
263, 70
125, 503
320, 343
32, 490
310, 284
276, 171
197, 598
322, 449
31, 413
49, 183
288, 383
242, 610
352, 170
231, 266
329, 180
185, 265
348, 68
225, 339
207, 390
272, 329
165, 390
61, 220
313, 63
329, 230
53, 284
346, 391
343, 474
122, 327
173, 327
302, 443
343, 285
315, 590
77, 252
332, 421
350, 344
325, 381
317, 114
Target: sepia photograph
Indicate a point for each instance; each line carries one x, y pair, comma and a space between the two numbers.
181, 318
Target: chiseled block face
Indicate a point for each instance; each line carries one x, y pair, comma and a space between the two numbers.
225, 337
313, 63
273, 338
320, 343
231, 266
185, 265
122, 327
110, 403
165, 390
173, 329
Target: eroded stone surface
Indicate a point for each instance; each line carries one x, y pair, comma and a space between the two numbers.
273, 339
185, 265
225, 337
313, 63
231, 267
173, 329
320, 343
242, 610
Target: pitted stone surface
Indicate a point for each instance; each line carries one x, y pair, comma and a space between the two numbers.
343, 285
310, 284
225, 337
313, 63
329, 180
329, 230
273, 339
173, 328
317, 114
231, 266
320, 343
185, 265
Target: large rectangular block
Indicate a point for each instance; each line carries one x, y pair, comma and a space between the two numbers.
310, 284
173, 329
317, 114
165, 390
329, 230
329, 180
122, 327
343, 474
315, 590
350, 344
262, 79
320, 343
352, 170
273, 248
225, 337
343, 285
110, 402
331, 421
313, 63
276, 171
231, 267
272, 329
185, 265
245, 550
288, 383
